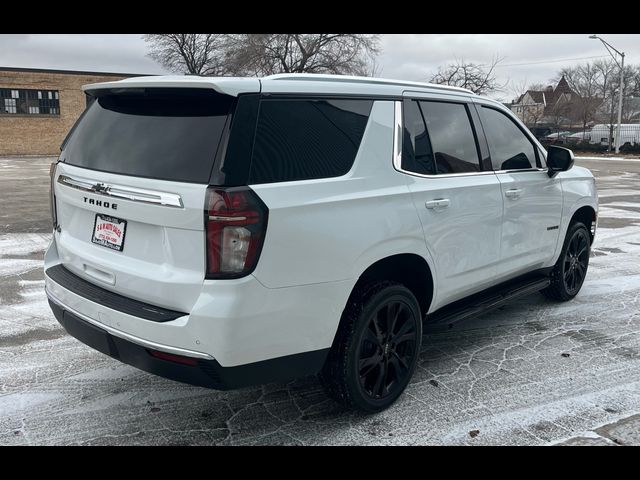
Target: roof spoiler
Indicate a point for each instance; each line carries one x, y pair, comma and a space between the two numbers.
226, 85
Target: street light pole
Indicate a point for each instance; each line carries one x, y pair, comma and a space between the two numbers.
620, 94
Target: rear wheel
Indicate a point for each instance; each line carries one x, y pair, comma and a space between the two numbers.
376, 348
570, 270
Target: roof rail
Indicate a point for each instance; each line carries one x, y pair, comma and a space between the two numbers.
354, 79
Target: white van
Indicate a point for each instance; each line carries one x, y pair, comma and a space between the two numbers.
630, 133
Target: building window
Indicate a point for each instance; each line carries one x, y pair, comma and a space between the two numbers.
29, 102
10, 105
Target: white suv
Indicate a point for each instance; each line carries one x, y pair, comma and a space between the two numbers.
232, 231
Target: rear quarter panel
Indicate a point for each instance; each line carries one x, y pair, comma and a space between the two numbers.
333, 229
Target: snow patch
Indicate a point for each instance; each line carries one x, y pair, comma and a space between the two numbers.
23, 243
615, 159
16, 266
25, 401
608, 212
611, 285
616, 237
35, 306
615, 192
31, 289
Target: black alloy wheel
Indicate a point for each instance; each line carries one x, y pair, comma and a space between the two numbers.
576, 261
376, 348
570, 270
387, 349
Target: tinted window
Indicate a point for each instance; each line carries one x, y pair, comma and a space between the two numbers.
509, 147
452, 137
157, 133
305, 139
417, 155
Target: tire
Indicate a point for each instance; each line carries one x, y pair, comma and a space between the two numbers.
368, 368
570, 270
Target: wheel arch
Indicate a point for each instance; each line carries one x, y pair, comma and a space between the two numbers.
588, 216
585, 208
409, 269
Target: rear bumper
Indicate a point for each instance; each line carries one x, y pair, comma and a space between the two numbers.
202, 372
236, 322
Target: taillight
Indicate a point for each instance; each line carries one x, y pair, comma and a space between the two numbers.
52, 196
236, 222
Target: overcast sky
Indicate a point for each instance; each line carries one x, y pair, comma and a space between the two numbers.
404, 56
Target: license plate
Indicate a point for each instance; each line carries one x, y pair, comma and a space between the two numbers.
109, 232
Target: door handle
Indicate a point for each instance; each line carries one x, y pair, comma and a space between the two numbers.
513, 193
437, 203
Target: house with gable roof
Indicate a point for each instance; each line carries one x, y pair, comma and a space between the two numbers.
551, 105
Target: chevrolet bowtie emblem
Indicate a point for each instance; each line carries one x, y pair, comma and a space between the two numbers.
100, 187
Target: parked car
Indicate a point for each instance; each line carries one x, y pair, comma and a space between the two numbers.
226, 232
578, 137
540, 132
556, 138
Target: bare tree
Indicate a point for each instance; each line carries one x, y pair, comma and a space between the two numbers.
189, 53
538, 87
629, 89
584, 81
518, 88
631, 110
478, 77
529, 113
265, 54
559, 113
633, 81
607, 84
369, 69
631, 102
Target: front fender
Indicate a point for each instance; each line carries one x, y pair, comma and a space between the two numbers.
579, 190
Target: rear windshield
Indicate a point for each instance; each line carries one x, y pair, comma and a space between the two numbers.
168, 134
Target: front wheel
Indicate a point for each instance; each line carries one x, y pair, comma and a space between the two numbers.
570, 270
376, 347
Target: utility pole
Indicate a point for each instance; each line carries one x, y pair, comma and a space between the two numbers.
621, 91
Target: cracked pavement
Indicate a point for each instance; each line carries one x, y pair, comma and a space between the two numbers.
534, 372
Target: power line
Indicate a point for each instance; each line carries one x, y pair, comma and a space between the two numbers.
549, 61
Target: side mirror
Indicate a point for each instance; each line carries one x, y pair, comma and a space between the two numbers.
558, 159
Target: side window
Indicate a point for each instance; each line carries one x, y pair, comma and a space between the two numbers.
452, 137
306, 139
509, 147
417, 156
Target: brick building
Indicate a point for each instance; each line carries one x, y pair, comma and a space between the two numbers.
38, 107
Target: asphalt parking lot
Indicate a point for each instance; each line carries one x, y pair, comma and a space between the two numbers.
535, 372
